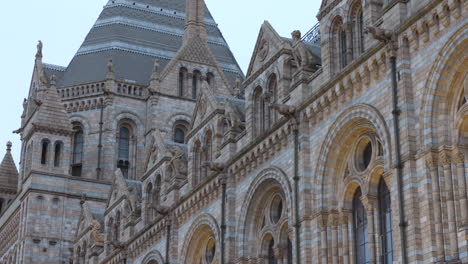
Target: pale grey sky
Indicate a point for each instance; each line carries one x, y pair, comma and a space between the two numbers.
63, 25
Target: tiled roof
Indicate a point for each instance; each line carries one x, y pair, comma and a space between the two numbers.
135, 33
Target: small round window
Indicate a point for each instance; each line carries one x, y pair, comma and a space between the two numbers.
210, 251
363, 154
276, 209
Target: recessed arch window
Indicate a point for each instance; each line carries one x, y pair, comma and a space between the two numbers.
357, 29
77, 155
180, 130
210, 79
182, 81
44, 151
57, 153
197, 163
339, 45
123, 157
258, 111
195, 83
385, 214
361, 242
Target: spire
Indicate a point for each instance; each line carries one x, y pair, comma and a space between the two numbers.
195, 20
8, 172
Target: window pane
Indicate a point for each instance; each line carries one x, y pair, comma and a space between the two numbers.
124, 143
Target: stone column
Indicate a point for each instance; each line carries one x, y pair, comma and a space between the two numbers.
451, 217
334, 236
345, 222
460, 161
437, 209
323, 240
370, 203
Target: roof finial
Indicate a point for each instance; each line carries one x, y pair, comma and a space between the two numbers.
110, 70
39, 49
9, 145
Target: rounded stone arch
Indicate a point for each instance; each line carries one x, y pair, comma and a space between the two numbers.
266, 180
328, 24
172, 120
155, 256
81, 120
347, 195
349, 125
202, 228
132, 119
440, 92
349, 7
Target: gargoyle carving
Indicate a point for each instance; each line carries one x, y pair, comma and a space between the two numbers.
302, 55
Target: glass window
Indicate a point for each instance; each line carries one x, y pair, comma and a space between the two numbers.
58, 149
124, 143
360, 230
77, 159
385, 213
343, 47
179, 135
45, 146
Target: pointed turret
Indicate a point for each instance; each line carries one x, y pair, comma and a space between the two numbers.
8, 174
51, 114
195, 23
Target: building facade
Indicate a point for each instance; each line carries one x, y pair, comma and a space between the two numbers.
346, 145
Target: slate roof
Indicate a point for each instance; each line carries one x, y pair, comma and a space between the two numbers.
8, 172
135, 33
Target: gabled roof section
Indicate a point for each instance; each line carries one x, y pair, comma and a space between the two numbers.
8, 172
135, 33
268, 43
129, 189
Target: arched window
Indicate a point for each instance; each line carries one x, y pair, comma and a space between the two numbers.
343, 48
45, 147
179, 133
1, 204
258, 112
210, 79
272, 98
197, 163
357, 29
117, 227
78, 144
182, 81
360, 230
149, 202
57, 154
338, 47
195, 82
385, 213
123, 162
207, 154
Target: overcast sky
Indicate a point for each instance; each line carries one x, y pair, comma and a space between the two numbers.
62, 26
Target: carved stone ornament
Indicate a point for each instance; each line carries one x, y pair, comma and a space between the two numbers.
263, 50
203, 106
96, 235
302, 55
